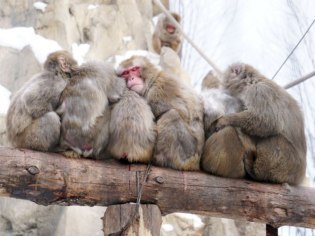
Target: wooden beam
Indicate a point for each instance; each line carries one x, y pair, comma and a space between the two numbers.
48, 178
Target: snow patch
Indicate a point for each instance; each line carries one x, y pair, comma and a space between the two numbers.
19, 37
92, 7
4, 100
41, 6
197, 222
79, 52
167, 227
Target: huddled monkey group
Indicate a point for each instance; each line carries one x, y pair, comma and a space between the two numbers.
241, 125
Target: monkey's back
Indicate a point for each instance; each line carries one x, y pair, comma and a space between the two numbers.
279, 112
36, 97
132, 128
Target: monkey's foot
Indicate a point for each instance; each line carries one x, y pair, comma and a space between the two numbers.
71, 154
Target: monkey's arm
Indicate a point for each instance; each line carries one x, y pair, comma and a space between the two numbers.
175, 44
249, 122
37, 104
156, 43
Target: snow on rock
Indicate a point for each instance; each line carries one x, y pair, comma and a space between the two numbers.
41, 6
79, 52
19, 37
4, 100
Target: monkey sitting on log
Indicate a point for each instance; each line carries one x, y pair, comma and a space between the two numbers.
273, 118
85, 109
177, 109
32, 121
132, 128
225, 149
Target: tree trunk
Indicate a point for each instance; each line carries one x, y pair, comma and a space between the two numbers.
49, 178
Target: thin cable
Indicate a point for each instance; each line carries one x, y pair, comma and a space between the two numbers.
293, 49
161, 6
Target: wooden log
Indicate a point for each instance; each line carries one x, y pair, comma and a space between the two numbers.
117, 217
48, 178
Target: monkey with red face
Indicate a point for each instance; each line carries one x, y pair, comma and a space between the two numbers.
132, 129
166, 34
177, 109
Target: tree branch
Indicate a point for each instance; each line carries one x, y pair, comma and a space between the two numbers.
49, 178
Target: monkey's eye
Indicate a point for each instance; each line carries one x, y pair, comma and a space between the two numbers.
125, 73
136, 68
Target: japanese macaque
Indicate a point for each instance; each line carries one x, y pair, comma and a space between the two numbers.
32, 121
132, 129
224, 150
85, 108
274, 119
170, 63
166, 34
177, 109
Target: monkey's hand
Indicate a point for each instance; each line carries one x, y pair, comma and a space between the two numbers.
221, 123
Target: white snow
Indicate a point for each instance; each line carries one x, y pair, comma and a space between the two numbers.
196, 221
127, 39
19, 37
4, 100
92, 7
41, 6
79, 52
167, 227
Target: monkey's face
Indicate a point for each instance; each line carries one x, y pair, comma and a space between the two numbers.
132, 75
130, 70
235, 78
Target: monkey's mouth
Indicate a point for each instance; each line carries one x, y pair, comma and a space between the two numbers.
136, 87
170, 29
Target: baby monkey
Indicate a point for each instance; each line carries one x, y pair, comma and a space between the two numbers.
224, 150
32, 121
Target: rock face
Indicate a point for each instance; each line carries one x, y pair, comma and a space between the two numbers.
17, 67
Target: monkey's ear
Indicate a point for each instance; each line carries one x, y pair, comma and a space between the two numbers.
177, 17
237, 68
63, 63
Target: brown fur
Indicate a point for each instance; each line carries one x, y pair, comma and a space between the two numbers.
224, 150
210, 81
161, 37
178, 111
31, 120
132, 129
85, 108
274, 118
